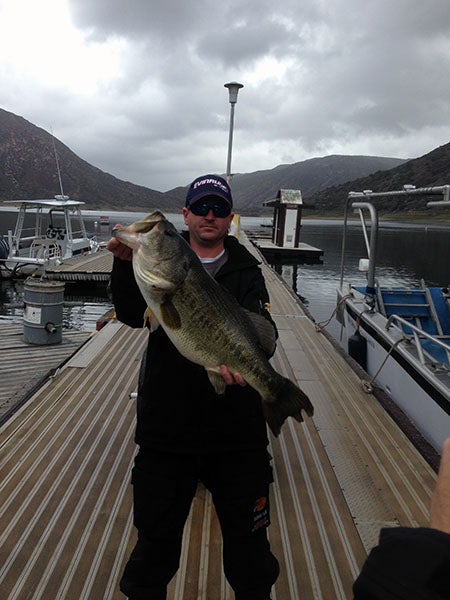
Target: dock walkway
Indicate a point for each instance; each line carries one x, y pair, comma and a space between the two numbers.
65, 459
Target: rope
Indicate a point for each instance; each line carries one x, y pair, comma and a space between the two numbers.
368, 385
319, 326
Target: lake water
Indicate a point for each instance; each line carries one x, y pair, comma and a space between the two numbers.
406, 254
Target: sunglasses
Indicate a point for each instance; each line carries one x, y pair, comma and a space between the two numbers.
201, 209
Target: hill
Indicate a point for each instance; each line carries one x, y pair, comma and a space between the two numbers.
29, 171
309, 176
432, 169
251, 190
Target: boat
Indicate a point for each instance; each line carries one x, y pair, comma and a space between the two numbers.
399, 335
47, 233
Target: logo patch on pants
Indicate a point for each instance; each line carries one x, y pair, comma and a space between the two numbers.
260, 514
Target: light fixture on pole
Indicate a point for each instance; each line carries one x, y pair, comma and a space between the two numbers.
233, 89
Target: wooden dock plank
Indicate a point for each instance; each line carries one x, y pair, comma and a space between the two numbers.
80, 457
88, 268
65, 459
23, 365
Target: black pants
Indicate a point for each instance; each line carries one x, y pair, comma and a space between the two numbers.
164, 486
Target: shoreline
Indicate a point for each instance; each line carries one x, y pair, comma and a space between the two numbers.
386, 219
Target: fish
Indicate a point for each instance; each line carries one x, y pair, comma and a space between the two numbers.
204, 320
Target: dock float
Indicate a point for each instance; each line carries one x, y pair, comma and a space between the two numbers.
304, 253
263, 241
65, 458
87, 268
24, 367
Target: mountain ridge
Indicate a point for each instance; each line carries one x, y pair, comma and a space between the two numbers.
29, 171
27, 156
431, 169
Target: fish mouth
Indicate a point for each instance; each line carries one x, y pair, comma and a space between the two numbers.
129, 235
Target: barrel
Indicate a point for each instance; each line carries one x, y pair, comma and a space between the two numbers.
43, 311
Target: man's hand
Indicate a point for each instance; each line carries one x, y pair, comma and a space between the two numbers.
232, 378
440, 502
119, 249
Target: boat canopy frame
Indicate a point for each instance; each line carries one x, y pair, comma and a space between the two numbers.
56, 233
359, 202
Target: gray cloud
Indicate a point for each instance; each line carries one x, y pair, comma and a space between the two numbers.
320, 77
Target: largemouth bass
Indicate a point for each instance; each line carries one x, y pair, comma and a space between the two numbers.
204, 321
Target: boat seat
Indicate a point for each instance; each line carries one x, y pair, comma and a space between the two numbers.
434, 319
437, 353
413, 305
409, 304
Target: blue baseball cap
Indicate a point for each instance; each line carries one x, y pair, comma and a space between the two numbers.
209, 185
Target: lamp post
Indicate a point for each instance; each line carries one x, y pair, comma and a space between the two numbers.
233, 89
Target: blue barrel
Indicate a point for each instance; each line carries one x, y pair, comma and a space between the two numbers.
43, 311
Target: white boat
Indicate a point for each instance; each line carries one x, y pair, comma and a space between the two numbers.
47, 233
399, 335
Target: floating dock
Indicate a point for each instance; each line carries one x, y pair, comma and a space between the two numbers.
87, 268
302, 253
66, 525
23, 366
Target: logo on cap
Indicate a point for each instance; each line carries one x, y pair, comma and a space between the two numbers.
209, 185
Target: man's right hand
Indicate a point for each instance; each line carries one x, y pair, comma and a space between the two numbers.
119, 249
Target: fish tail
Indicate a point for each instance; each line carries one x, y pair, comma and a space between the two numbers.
289, 402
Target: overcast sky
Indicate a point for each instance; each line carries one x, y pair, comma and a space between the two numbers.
136, 87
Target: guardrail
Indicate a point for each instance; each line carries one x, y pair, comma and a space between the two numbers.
417, 333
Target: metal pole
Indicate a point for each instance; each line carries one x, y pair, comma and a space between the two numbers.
233, 89
230, 142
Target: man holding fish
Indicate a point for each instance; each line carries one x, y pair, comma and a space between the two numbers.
206, 390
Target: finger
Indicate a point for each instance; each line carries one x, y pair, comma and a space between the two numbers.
112, 244
119, 249
226, 374
125, 252
239, 380
440, 502
232, 377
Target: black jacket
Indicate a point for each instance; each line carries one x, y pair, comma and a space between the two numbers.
408, 564
177, 408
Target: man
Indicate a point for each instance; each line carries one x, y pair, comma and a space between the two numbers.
187, 433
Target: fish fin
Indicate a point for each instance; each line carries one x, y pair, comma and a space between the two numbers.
170, 315
265, 331
150, 320
217, 381
290, 402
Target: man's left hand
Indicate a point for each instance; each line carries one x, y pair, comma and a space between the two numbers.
231, 377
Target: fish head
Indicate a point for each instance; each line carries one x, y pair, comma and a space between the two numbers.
133, 235
161, 256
